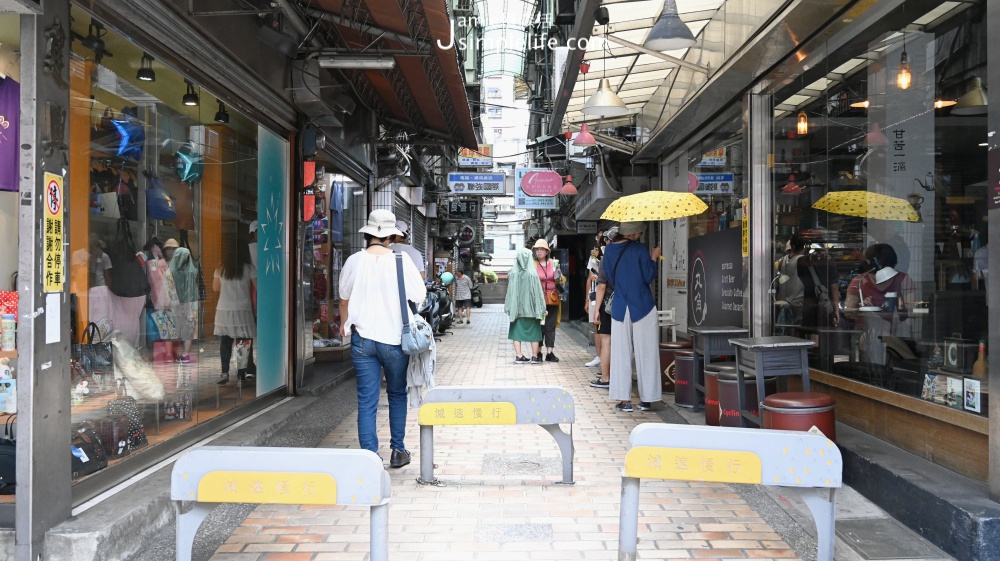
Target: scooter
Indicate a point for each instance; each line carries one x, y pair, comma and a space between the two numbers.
477, 295
429, 310
445, 315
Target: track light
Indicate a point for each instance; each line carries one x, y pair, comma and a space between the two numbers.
94, 41
191, 98
146, 72
372, 62
222, 116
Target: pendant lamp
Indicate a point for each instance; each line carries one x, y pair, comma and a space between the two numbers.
974, 101
605, 102
568, 188
802, 124
904, 74
669, 32
584, 138
875, 137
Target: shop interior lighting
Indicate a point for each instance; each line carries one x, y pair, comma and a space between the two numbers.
191, 98
222, 116
904, 74
802, 124
974, 101
940, 102
863, 104
669, 33
568, 188
146, 72
94, 41
364, 62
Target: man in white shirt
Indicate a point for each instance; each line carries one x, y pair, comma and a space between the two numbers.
399, 244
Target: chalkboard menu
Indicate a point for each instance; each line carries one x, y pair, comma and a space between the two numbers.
716, 279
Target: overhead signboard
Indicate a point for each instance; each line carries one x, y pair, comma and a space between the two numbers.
524, 200
714, 183
466, 235
476, 183
545, 183
713, 158
463, 208
481, 158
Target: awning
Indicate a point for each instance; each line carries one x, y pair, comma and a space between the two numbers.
425, 91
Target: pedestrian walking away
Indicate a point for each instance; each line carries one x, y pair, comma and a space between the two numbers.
463, 295
235, 313
550, 276
369, 300
524, 306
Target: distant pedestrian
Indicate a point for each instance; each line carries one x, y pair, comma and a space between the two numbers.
524, 306
369, 304
463, 295
550, 276
590, 306
602, 321
398, 243
235, 312
630, 269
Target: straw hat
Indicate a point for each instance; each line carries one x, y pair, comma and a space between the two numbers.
541, 243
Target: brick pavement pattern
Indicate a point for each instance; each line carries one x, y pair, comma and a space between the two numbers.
500, 500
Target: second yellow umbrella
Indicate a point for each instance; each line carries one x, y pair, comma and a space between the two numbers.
867, 205
654, 205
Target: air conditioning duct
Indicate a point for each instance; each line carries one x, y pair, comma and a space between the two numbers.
306, 90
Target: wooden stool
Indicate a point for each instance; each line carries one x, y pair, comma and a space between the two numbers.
684, 378
800, 411
729, 394
666, 359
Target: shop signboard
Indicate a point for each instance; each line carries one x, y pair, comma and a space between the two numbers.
524, 200
466, 234
586, 226
713, 158
714, 184
481, 158
544, 183
54, 202
463, 208
476, 183
272, 261
489, 245
716, 279
746, 227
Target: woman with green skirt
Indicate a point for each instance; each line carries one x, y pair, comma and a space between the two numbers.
525, 306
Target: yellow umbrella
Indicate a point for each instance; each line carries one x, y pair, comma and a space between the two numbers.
654, 205
867, 205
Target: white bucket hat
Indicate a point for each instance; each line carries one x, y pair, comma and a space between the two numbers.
381, 224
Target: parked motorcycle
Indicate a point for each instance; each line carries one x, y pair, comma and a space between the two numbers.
436, 308
429, 310
477, 295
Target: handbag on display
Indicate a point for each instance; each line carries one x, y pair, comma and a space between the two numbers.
8, 458
8, 302
88, 455
114, 433
417, 335
241, 353
126, 405
94, 357
128, 278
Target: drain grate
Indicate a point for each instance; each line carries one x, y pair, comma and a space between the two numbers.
508, 533
881, 538
520, 464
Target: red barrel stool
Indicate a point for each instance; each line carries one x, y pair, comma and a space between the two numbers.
729, 394
666, 359
684, 378
801, 411
712, 390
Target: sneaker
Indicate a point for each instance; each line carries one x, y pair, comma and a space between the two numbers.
186, 359
595, 362
624, 407
399, 458
521, 360
600, 384
534, 360
551, 357
539, 356
645, 406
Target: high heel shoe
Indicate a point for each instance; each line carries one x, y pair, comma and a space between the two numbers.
223, 380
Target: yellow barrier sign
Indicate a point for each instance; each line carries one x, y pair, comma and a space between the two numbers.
54, 254
270, 487
689, 464
468, 413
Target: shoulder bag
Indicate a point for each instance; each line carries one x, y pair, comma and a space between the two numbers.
822, 293
418, 335
128, 278
609, 298
551, 296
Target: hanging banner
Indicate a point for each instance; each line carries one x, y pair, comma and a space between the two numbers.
481, 158
54, 275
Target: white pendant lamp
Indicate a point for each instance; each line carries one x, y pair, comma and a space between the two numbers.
605, 102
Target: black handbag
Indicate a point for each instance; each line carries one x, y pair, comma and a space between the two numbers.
609, 295
126, 405
88, 455
128, 278
94, 357
202, 292
114, 433
8, 458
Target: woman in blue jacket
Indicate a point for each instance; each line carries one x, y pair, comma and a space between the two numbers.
630, 269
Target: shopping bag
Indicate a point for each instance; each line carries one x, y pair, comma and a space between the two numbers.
241, 352
165, 324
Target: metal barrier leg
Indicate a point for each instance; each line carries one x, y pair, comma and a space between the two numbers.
380, 533
565, 442
427, 456
822, 504
187, 526
628, 520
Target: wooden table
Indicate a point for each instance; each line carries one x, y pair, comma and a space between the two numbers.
709, 343
768, 357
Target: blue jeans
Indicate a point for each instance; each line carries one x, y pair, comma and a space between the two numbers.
371, 358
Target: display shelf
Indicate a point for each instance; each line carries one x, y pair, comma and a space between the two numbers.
8, 354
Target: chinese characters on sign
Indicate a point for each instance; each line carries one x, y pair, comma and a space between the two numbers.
688, 464
523, 200
898, 150
267, 487
477, 183
53, 267
470, 413
481, 158
714, 183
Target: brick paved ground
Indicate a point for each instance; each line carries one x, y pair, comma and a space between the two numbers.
500, 501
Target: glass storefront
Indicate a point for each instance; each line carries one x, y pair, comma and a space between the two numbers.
177, 220
880, 183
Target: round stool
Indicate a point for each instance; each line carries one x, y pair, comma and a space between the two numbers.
801, 411
712, 390
666, 359
729, 395
684, 378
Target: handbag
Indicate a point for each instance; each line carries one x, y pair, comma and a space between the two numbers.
128, 278
113, 431
126, 405
822, 293
552, 296
202, 292
417, 336
88, 455
608, 299
94, 356
8, 458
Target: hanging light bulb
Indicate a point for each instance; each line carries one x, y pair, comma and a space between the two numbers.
802, 125
940, 102
605, 102
584, 138
904, 74
568, 188
863, 104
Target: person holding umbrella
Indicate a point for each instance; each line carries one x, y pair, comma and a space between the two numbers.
630, 269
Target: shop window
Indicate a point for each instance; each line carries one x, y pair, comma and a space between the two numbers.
880, 182
169, 244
